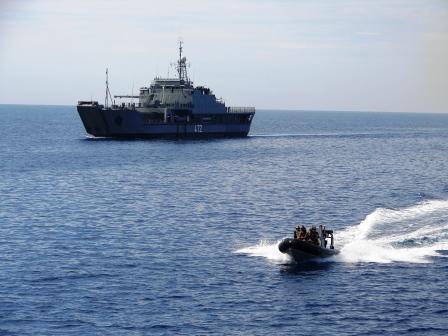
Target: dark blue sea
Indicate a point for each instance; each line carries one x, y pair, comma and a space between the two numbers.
104, 237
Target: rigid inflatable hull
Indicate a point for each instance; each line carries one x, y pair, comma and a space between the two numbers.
301, 250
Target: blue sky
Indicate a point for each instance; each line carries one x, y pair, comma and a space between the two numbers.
320, 55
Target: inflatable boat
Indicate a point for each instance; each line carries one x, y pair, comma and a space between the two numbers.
302, 250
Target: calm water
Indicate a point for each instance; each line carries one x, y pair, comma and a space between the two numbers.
101, 237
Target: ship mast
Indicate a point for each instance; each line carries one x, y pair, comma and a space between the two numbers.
182, 65
107, 88
179, 64
108, 95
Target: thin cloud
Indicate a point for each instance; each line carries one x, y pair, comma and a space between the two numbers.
321, 51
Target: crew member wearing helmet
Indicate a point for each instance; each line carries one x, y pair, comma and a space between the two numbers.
297, 232
302, 233
313, 236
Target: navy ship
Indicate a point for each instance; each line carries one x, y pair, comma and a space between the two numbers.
168, 108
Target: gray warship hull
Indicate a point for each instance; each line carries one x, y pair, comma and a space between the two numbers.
131, 123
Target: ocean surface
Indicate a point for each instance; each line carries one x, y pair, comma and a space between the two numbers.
104, 237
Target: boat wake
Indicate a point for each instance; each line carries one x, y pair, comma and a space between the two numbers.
414, 234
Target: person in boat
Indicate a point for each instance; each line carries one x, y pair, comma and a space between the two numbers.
312, 236
302, 233
296, 232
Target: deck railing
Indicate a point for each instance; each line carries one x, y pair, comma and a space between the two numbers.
240, 109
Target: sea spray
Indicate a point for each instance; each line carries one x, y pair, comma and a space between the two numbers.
411, 234
267, 250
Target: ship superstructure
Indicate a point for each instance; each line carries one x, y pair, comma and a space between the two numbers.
169, 107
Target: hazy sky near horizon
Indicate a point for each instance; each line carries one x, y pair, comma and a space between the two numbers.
372, 55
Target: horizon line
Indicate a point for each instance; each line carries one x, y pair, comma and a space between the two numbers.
265, 109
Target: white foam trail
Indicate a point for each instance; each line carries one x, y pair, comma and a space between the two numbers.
381, 237
413, 234
267, 250
368, 251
